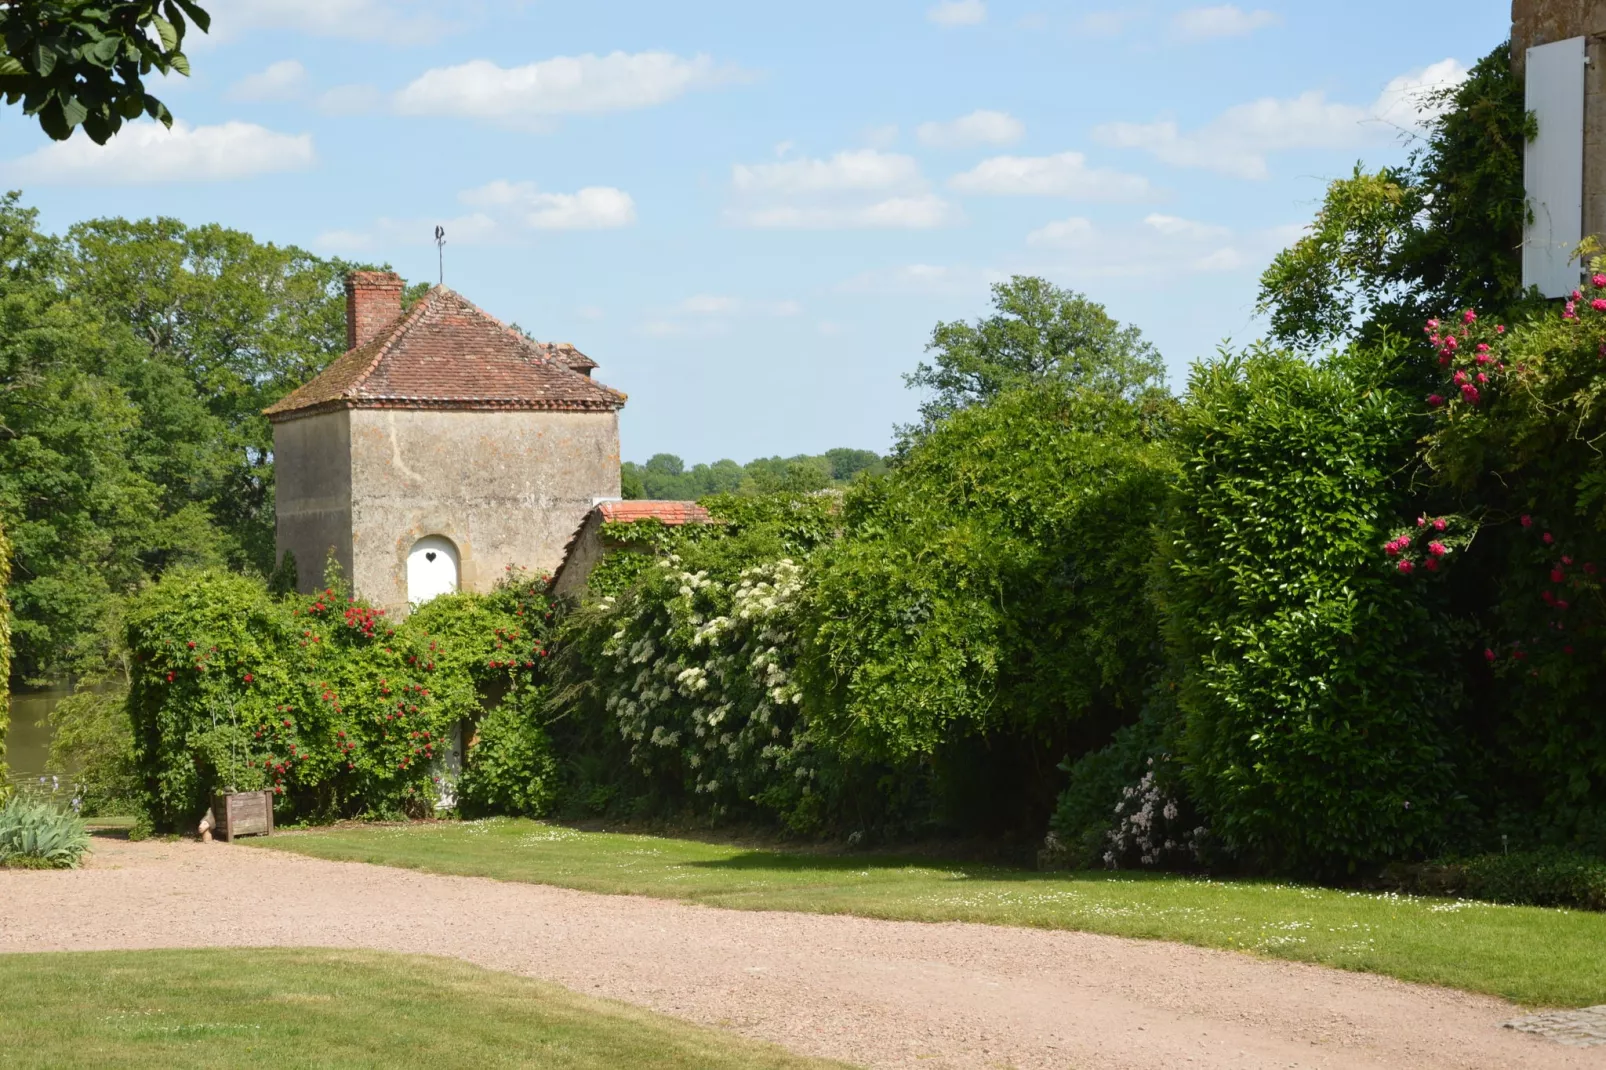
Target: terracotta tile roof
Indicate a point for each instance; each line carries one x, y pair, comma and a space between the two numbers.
671, 513
446, 353
571, 356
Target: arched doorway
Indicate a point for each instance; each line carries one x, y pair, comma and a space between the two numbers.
432, 569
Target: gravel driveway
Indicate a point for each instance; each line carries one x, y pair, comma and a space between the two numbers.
874, 993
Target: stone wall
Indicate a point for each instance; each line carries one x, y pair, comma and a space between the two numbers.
505, 487
1539, 22
312, 474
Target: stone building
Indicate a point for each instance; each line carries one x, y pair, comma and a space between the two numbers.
442, 448
590, 544
1558, 49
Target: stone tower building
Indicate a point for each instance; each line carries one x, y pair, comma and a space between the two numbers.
440, 449
1558, 49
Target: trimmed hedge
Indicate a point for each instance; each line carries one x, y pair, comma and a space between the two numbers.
1547, 877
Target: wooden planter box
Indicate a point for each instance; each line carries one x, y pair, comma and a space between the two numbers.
244, 813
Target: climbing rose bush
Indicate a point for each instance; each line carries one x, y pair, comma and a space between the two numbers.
320, 699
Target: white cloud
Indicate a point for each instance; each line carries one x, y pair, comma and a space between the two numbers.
360, 20
592, 208
958, 13
1065, 174
564, 85
1238, 141
1158, 247
860, 169
981, 127
505, 214
1175, 227
589, 312
147, 152
1406, 101
284, 80
1227, 20
857, 189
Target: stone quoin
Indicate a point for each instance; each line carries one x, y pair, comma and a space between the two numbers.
440, 449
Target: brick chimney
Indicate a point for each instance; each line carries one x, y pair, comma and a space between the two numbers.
373, 301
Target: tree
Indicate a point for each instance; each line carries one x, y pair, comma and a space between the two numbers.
1443, 232
1038, 332
222, 325
80, 514
83, 63
985, 607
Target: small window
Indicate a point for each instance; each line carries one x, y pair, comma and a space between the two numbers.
431, 569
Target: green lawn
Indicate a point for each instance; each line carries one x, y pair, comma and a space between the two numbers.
316, 1008
1534, 956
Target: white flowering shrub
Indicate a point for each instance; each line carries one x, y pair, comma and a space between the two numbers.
1149, 828
698, 678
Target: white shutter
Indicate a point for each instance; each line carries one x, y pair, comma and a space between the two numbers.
1553, 167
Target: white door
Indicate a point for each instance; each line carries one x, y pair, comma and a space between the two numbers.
431, 569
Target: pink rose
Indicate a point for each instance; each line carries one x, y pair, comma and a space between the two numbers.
1405, 567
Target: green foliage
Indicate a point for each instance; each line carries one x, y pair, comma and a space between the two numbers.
1083, 820
1546, 878
1522, 467
688, 662
1442, 232
221, 326
666, 477
318, 697
1313, 698
5, 646
92, 744
83, 62
1038, 332
134, 360
993, 584
38, 834
509, 768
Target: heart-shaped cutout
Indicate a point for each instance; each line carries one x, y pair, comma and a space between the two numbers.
430, 556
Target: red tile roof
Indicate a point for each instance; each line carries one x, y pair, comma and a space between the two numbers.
446, 353
571, 356
671, 513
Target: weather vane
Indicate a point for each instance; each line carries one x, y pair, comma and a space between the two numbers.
440, 249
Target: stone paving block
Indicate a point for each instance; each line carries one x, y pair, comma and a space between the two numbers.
1583, 1028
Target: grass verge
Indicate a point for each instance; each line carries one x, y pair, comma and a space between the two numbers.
1532, 955
320, 1008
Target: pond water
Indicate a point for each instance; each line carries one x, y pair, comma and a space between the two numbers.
28, 740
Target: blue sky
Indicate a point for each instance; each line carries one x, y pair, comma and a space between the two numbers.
751, 214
